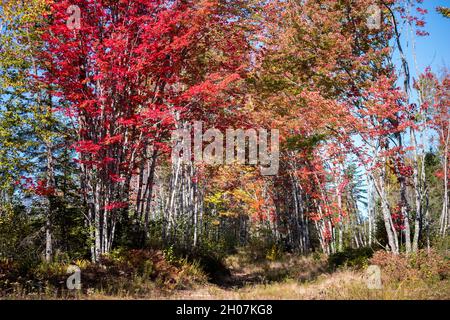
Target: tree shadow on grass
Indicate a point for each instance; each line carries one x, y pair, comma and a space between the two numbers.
246, 273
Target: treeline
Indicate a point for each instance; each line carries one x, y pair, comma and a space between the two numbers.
88, 107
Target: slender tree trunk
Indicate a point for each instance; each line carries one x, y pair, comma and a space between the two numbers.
150, 181
443, 221
48, 240
97, 225
418, 183
51, 183
405, 213
391, 233
139, 200
389, 226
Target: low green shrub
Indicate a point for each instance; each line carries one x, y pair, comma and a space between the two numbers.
350, 257
274, 253
211, 264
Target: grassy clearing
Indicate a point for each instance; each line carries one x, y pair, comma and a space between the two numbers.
311, 278
421, 276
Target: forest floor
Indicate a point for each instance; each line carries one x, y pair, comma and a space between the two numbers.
310, 281
290, 277
298, 278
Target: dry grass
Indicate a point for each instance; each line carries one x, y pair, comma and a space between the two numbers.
305, 278
341, 285
299, 268
290, 278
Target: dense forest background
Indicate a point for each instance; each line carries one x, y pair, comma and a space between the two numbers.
91, 91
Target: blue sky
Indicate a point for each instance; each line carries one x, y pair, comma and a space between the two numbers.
433, 50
